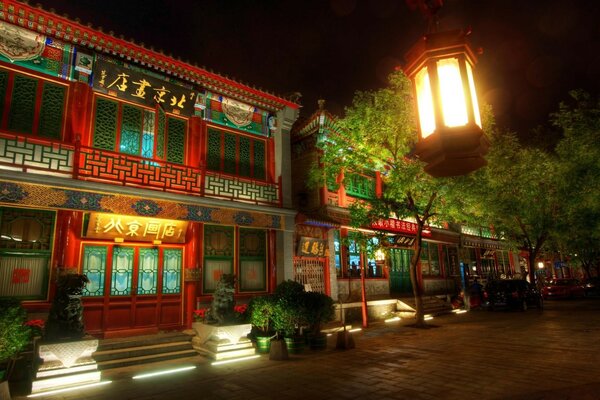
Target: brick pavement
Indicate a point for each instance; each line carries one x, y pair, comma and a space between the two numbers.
530, 355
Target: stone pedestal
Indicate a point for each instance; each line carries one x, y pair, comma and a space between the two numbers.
222, 342
65, 364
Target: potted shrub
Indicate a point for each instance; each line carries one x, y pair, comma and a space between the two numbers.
319, 309
289, 314
260, 311
14, 337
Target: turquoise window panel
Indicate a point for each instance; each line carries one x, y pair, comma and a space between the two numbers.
172, 260
131, 130
147, 271
122, 271
94, 267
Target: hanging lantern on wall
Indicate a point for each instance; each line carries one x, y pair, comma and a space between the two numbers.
451, 139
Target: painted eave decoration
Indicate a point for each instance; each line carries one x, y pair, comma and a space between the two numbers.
50, 24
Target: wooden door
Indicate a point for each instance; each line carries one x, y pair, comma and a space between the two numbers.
142, 292
400, 271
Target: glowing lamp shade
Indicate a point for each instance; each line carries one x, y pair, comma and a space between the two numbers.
451, 140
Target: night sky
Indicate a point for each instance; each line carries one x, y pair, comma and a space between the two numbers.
534, 51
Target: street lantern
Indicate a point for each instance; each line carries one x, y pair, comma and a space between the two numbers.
451, 139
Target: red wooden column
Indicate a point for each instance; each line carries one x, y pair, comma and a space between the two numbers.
79, 111
66, 245
341, 191
193, 260
378, 185
195, 142
272, 271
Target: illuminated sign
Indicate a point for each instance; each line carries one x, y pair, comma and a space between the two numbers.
311, 247
130, 84
398, 225
134, 228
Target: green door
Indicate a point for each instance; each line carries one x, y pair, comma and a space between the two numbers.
399, 271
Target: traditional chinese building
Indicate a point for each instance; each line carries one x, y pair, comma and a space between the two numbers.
147, 174
342, 267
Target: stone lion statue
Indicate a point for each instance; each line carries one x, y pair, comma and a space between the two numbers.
65, 321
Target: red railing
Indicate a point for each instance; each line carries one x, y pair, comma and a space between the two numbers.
90, 164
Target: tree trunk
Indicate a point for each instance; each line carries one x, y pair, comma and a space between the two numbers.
415, 281
533, 252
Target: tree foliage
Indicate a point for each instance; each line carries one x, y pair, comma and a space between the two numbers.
378, 133
579, 153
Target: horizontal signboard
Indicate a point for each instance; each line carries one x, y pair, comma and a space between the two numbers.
134, 228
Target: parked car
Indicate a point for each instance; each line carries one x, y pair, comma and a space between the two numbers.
592, 286
563, 288
512, 293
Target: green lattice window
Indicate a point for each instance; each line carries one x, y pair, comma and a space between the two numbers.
22, 107
131, 130
172, 260
359, 186
25, 252
230, 154
3, 85
236, 154
147, 271
245, 156
160, 134
176, 140
139, 131
253, 260
213, 158
122, 271
218, 254
105, 126
94, 267
51, 111
22, 110
259, 159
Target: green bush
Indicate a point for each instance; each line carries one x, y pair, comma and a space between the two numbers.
318, 309
14, 335
289, 313
261, 309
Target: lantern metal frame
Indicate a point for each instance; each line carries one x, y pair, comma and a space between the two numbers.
447, 150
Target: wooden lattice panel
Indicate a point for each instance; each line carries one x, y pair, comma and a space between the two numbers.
311, 273
32, 155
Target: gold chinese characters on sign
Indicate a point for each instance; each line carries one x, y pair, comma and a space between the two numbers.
126, 83
134, 228
311, 247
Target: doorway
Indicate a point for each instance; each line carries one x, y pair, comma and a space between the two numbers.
132, 289
400, 271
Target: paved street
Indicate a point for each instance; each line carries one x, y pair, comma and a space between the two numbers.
530, 355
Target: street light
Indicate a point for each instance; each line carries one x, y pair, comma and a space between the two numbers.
451, 139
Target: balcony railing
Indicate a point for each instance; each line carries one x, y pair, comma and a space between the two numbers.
34, 155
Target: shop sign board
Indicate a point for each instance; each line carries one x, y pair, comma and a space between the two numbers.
398, 225
135, 228
126, 83
311, 247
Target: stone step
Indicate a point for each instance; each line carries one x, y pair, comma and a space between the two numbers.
143, 340
134, 350
124, 362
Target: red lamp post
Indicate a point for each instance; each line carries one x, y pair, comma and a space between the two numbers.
451, 140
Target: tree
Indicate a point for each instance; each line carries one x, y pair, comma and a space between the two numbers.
518, 194
378, 133
579, 154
